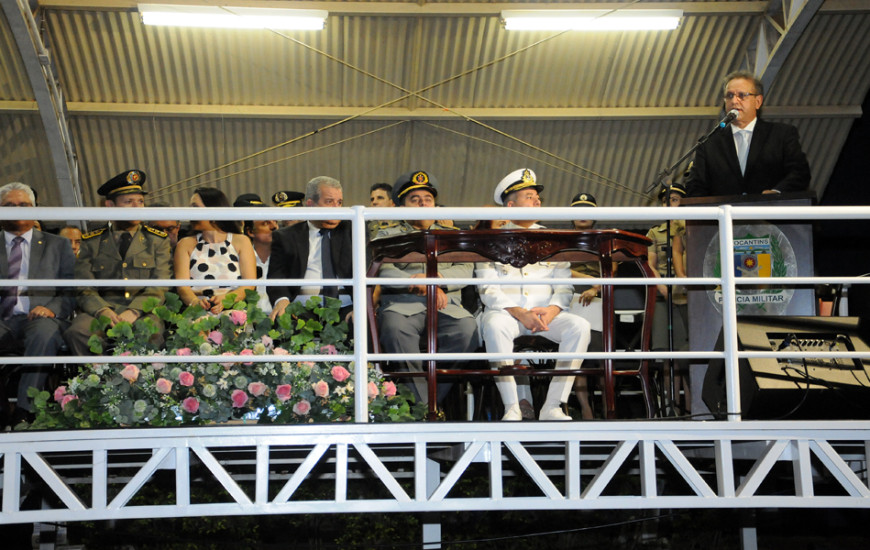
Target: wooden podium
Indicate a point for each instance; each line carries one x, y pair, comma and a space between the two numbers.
761, 249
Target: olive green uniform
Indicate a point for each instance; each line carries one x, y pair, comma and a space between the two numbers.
658, 234
402, 315
147, 258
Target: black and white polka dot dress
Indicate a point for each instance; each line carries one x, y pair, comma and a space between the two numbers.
218, 261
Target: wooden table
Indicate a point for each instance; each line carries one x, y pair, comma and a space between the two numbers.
520, 247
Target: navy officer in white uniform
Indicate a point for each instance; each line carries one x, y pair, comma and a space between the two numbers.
521, 309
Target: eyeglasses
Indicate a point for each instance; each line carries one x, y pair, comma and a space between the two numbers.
742, 95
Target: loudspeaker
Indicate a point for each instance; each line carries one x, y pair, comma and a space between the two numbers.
807, 388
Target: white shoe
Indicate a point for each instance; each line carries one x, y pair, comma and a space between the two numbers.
513, 413
553, 413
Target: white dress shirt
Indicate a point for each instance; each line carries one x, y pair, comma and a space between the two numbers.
315, 268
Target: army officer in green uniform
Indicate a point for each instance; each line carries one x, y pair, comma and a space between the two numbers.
118, 250
402, 313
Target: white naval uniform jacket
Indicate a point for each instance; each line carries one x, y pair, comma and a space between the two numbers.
523, 295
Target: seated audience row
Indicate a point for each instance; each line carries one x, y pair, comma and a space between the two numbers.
223, 251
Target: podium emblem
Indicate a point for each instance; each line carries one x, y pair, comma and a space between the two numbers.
760, 250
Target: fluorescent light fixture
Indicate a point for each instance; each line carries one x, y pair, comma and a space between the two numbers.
590, 20
231, 17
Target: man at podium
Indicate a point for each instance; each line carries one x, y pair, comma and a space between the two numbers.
752, 155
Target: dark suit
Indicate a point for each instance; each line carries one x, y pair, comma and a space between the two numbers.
289, 257
775, 161
51, 257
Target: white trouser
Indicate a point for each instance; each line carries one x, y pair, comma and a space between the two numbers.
571, 332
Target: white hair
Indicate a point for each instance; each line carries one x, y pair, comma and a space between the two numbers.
17, 186
312, 188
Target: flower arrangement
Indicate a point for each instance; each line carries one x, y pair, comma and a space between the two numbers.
168, 392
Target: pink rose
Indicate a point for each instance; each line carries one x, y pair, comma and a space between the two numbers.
238, 317
321, 389
66, 399
130, 372
182, 351
239, 398
227, 365
302, 408
373, 390
328, 349
267, 340
257, 388
163, 385
389, 389
59, 393
191, 405
280, 351
283, 392
185, 379
216, 336
339, 373
247, 352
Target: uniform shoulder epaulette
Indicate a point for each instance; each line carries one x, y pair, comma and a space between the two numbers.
445, 226
95, 233
154, 230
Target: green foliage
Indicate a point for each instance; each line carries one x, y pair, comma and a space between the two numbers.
170, 392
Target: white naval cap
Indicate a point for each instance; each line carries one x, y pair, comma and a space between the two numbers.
516, 180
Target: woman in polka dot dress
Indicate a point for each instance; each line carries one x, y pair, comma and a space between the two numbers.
216, 251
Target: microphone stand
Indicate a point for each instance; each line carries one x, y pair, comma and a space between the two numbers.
661, 176
670, 405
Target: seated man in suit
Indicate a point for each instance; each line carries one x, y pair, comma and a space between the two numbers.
518, 309
316, 249
752, 156
118, 250
32, 318
402, 313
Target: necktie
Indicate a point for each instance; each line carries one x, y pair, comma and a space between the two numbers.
10, 294
742, 149
124, 243
326, 262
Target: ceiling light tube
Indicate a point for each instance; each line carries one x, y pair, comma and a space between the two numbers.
590, 20
232, 17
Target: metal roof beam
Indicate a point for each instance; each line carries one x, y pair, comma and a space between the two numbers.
778, 32
537, 113
463, 8
418, 9
37, 63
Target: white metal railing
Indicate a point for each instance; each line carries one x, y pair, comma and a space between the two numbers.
358, 215
723, 463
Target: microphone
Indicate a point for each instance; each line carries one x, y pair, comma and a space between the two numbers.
732, 114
